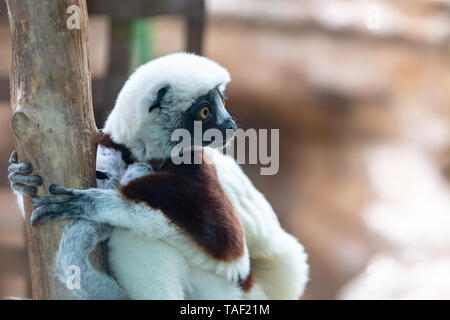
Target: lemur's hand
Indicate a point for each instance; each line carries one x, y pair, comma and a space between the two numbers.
19, 178
76, 204
100, 205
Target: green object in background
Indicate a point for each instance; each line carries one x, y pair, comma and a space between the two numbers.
141, 42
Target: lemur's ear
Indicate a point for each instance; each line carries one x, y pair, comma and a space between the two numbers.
161, 92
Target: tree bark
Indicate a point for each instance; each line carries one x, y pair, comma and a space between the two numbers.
52, 119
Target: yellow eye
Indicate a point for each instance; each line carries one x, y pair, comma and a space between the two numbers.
204, 113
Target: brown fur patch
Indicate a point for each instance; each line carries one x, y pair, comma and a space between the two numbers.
247, 284
107, 142
192, 198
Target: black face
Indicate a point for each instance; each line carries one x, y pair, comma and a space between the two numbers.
210, 111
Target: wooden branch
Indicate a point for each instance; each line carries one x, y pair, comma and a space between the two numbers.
52, 117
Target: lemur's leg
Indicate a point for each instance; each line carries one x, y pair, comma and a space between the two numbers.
148, 269
79, 239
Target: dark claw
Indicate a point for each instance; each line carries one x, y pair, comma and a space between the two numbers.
56, 189
37, 180
13, 158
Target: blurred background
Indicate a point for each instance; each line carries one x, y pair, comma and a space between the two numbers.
360, 91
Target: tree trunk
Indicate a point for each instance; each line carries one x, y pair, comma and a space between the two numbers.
52, 119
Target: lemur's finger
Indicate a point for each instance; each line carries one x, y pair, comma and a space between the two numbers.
32, 181
50, 212
56, 189
22, 168
13, 157
28, 190
46, 201
42, 216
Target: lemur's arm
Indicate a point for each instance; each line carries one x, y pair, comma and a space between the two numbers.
277, 258
103, 206
110, 169
86, 203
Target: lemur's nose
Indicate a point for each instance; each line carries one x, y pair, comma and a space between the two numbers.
230, 124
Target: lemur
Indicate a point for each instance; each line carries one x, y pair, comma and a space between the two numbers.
189, 231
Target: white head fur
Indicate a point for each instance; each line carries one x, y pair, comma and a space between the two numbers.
147, 133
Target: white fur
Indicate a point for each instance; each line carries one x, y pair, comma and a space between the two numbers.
19, 200
171, 267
